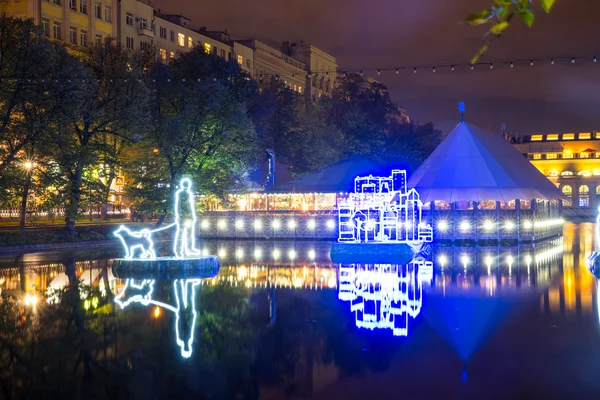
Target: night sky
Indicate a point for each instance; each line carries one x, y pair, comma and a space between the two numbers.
389, 33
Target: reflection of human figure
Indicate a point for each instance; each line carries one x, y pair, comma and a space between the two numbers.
142, 291
185, 221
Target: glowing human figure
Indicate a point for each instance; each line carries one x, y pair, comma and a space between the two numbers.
184, 243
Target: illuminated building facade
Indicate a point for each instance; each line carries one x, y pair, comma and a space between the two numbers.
74, 23
571, 161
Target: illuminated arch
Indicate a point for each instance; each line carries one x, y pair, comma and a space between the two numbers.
567, 173
584, 173
584, 196
567, 190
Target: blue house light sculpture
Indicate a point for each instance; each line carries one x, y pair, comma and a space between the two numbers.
381, 209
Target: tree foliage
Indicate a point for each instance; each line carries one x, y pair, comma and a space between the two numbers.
500, 15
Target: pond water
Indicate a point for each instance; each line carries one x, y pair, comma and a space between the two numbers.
280, 320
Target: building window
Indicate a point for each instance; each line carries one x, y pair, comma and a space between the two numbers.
567, 173
299, 89
597, 193
98, 10
73, 5
57, 31
248, 62
567, 191
143, 23
568, 136
163, 54
190, 42
567, 154
172, 36
163, 32
108, 13
46, 26
98, 39
73, 35
171, 55
83, 6
240, 59
214, 50
229, 55
207, 47
83, 37
537, 138
129, 19
181, 39
551, 156
584, 196
222, 53
57, 2
537, 156
553, 136
144, 46
129, 42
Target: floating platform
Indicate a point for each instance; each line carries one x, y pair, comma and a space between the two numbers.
167, 268
372, 253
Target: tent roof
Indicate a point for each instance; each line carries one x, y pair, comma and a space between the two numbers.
473, 164
336, 178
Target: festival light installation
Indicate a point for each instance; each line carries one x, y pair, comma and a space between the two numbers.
594, 255
381, 209
139, 248
383, 296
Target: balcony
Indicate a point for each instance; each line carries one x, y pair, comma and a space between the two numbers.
145, 32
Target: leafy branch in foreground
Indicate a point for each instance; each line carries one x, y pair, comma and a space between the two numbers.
500, 15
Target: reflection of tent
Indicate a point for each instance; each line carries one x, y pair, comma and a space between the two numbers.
338, 177
588, 150
466, 319
472, 164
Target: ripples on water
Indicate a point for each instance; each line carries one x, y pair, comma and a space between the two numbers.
280, 320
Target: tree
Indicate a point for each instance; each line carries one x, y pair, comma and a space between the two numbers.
111, 103
298, 132
500, 15
198, 127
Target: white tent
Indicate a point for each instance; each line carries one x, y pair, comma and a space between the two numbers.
472, 164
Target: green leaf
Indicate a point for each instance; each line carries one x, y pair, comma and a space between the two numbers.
499, 27
480, 53
547, 5
528, 17
479, 18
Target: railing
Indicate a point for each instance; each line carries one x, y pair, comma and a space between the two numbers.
14, 212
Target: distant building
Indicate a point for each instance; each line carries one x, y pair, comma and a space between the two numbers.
570, 160
74, 23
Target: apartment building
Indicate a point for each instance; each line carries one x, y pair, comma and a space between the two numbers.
141, 27
570, 160
75, 23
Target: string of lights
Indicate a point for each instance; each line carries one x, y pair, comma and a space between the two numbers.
414, 68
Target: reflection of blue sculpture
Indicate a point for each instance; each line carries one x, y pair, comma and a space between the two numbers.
594, 256
383, 296
184, 308
381, 209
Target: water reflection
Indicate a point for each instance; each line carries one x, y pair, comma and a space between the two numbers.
383, 296
280, 319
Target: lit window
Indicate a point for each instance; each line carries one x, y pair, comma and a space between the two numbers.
172, 55
163, 54
567, 154
584, 173
299, 89
567, 191
551, 156
596, 172
190, 42
553, 136
207, 47
537, 138
584, 154
584, 196
240, 59
568, 136
181, 39
567, 173
586, 135
552, 172
537, 156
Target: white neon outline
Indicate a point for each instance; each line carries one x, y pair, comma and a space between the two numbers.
185, 184
130, 250
382, 210
146, 300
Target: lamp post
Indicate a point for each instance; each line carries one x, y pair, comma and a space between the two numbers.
28, 166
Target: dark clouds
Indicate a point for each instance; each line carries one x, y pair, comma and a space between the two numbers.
386, 33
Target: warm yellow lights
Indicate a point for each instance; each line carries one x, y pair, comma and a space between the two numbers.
537, 138
156, 312
552, 136
568, 136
